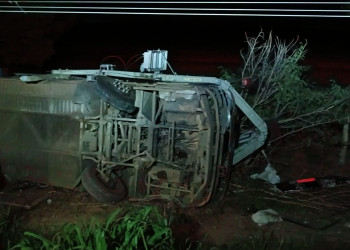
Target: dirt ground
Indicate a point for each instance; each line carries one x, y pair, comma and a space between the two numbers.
312, 219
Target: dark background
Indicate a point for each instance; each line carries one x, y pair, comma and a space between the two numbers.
196, 44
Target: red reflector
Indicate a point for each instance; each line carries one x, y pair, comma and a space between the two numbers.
306, 180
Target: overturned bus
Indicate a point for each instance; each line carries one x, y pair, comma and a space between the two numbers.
126, 135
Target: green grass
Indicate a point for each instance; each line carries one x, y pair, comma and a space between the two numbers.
10, 227
125, 228
138, 228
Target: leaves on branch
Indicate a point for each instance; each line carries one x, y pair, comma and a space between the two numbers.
283, 93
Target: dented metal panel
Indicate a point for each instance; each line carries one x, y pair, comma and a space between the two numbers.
40, 132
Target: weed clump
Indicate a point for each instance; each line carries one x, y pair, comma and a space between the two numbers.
138, 228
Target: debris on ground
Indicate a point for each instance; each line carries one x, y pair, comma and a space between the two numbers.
25, 195
312, 183
269, 175
266, 216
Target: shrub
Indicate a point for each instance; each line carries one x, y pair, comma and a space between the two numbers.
281, 92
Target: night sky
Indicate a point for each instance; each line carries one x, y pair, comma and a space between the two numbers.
196, 44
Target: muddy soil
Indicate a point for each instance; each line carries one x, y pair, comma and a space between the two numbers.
318, 218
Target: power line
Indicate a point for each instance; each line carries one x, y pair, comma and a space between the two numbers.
324, 9
176, 9
181, 14
184, 2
